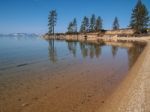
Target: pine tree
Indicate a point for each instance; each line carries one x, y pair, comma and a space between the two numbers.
116, 24
139, 18
75, 25
99, 24
92, 23
52, 19
82, 28
85, 25
70, 27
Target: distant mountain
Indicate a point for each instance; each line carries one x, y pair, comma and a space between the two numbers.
20, 35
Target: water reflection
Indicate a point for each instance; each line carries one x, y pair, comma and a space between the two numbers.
24, 64
94, 50
89, 49
84, 49
114, 50
52, 51
72, 46
134, 52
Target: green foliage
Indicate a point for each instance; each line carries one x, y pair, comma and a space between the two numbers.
75, 25
115, 24
52, 19
92, 23
99, 24
85, 25
139, 18
72, 27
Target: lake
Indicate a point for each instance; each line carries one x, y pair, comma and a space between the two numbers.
38, 75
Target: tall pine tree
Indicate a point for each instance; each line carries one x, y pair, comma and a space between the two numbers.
85, 25
52, 19
99, 24
92, 23
72, 27
115, 24
139, 18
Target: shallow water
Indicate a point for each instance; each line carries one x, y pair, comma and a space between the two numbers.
58, 76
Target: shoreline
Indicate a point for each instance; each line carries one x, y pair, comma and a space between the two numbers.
132, 95
95, 38
83, 86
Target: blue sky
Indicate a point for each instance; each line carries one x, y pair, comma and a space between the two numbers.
30, 16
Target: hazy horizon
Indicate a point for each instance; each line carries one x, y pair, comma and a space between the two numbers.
31, 16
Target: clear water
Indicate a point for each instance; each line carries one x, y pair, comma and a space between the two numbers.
33, 67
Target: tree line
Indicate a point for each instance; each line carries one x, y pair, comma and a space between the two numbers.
88, 25
139, 21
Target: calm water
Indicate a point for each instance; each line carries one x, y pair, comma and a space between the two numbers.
18, 52
81, 75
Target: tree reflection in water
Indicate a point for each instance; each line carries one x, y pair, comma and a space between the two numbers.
52, 51
92, 50
84, 49
72, 46
97, 50
114, 50
134, 52
89, 49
